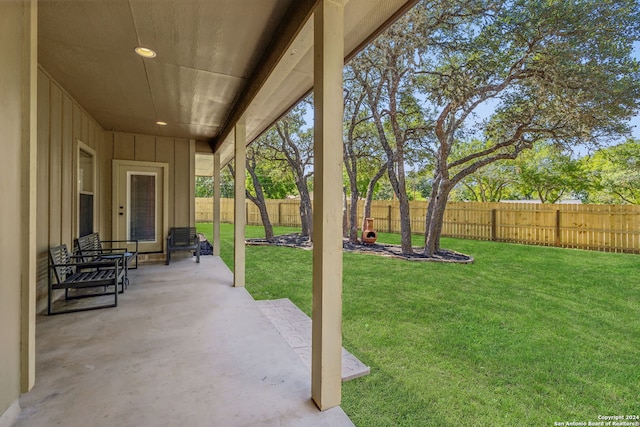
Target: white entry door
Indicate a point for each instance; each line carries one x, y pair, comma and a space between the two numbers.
139, 210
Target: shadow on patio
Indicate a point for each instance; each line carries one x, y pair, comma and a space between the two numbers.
183, 347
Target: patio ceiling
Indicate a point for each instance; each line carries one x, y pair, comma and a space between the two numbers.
217, 60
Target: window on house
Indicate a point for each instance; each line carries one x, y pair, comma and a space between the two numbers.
86, 187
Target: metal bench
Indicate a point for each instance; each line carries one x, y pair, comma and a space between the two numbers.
91, 248
183, 239
70, 272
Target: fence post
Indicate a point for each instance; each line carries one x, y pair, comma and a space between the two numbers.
389, 218
280, 213
558, 238
493, 224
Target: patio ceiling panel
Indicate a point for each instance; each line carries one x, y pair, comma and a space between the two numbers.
94, 64
116, 122
122, 89
202, 61
195, 99
206, 49
224, 37
83, 23
218, 60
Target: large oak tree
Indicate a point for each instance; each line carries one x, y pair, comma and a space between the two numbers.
524, 71
290, 143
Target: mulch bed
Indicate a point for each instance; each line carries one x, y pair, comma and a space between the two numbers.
295, 240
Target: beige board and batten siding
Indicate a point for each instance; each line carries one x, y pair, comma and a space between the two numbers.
178, 153
62, 123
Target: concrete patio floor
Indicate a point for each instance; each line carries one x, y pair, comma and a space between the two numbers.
183, 348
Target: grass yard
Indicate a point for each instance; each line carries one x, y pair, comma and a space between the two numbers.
526, 335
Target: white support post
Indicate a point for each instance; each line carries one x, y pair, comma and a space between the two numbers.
326, 357
240, 214
216, 204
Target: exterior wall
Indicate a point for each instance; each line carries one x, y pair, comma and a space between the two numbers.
178, 153
17, 101
61, 124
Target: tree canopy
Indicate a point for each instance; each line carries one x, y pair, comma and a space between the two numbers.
517, 72
615, 173
548, 174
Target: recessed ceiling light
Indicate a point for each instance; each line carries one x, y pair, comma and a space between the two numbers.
161, 123
145, 52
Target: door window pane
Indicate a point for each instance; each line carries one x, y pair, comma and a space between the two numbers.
142, 208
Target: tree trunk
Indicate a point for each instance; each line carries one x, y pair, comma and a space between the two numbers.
367, 206
405, 224
369, 196
345, 216
435, 216
353, 217
306, 214
393, 157
397, 181
298, 161
266, 221
259, 201
399, 188
350, 221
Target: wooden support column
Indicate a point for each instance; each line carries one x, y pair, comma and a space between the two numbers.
28, 255
216, 204
326, 357
192, 183
240, 217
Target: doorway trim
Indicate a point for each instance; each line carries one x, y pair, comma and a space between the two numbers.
165, 194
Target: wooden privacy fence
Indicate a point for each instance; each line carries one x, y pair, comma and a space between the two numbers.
614, 228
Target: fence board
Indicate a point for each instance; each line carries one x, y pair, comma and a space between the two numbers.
612, 228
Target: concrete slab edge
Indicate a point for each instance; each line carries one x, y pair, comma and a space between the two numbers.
288, 320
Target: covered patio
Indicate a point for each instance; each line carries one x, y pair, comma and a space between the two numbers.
87, 116
183, 347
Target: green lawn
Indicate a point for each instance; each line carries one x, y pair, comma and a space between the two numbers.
524, 336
